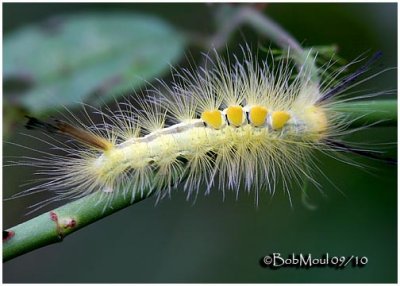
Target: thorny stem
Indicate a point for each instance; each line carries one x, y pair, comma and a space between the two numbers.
53, 226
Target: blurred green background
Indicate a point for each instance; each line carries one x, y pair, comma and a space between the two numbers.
211, 240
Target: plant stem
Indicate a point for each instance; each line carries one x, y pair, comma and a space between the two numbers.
363, 113
53, 226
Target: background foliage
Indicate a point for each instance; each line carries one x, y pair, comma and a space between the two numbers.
208, 241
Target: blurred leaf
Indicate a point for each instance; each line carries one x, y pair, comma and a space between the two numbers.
88, 57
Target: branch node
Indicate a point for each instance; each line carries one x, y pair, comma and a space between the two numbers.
54, 217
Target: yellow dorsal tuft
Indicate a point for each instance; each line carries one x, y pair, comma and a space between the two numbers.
212, 118
235, 115
279, 119
258, 114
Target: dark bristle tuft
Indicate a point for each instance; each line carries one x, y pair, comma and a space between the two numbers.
351, 78
34, 123
346, 148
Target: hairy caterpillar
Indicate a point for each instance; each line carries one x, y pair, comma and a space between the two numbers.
235, 125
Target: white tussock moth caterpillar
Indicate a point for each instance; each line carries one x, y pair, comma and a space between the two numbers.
234, 125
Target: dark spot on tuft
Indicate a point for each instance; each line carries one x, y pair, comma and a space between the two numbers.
182, 159
212, 155
226, 120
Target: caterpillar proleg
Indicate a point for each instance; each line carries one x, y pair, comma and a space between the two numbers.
237, 125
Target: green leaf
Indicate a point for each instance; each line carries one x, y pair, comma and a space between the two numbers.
88, 57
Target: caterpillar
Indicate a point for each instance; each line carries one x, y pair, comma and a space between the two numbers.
229, 125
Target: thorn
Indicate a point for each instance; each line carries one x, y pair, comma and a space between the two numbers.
7, 234
68, 222
54, 217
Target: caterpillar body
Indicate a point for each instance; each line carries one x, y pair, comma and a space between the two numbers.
236, 125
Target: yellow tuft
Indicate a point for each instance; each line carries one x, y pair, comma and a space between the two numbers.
258, 114
316, 116
235, 115
213, 118
279, 119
